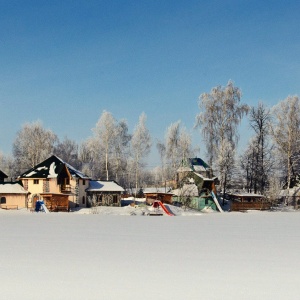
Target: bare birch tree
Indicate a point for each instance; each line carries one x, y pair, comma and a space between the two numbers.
32, 145
260, 119
220, 114
161, 148
178, 147
226, 161
8, 166
67, 150
140, 145
121, 151
91, 157
105, 132
286, 133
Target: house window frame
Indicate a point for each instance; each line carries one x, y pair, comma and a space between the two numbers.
36, 181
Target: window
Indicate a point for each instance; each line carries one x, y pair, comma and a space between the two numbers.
83, 200
35, 181
3, 200
83, 181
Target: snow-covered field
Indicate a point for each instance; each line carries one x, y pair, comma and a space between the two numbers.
114, 255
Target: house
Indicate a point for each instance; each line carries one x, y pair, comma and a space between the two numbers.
13, 195
196, 187
101, 192
193, 165
57, 183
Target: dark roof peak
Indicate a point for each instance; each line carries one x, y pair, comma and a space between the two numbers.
50, 168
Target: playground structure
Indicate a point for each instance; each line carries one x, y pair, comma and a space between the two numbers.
217, 202
41, 207
158, 204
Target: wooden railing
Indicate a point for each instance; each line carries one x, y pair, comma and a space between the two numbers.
65, 188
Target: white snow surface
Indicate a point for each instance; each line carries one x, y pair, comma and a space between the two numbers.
114, 255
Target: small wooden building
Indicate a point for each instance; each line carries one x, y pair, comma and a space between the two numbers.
240, 202
163, 197
55, 201
104, 193
13, 195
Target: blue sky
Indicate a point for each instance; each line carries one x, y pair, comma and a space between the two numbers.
64, 62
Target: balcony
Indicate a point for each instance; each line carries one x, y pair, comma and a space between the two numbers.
65, 188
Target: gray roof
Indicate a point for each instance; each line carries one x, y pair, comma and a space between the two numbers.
12, 188
104, 186
188, 190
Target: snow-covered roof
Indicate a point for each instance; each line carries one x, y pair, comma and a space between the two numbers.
295, 191
187, 190
157, 190
50, 168
104, 186
193, 164
184, 169
245, 195
12, 188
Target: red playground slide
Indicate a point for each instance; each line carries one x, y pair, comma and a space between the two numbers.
157, 203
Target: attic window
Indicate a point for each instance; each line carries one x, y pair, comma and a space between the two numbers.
35, 181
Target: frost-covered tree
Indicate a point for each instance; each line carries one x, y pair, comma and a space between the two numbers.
257, 160
8, 166
91, 157
140, 146
121, 151
178, 146
286, 133
32, 145
107, 151
247, 160
161, 148
105, 132
220, 114
226, 163
67, 150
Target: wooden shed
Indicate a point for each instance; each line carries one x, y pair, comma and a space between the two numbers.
55, 202
163, 197
240, 202
104, 193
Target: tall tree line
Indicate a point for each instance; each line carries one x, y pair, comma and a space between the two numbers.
113, 153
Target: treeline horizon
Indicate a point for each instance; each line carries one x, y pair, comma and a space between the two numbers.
113, 153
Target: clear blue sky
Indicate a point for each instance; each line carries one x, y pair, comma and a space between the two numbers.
64, 62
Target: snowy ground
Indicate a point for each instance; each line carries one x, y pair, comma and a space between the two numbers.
113, 255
